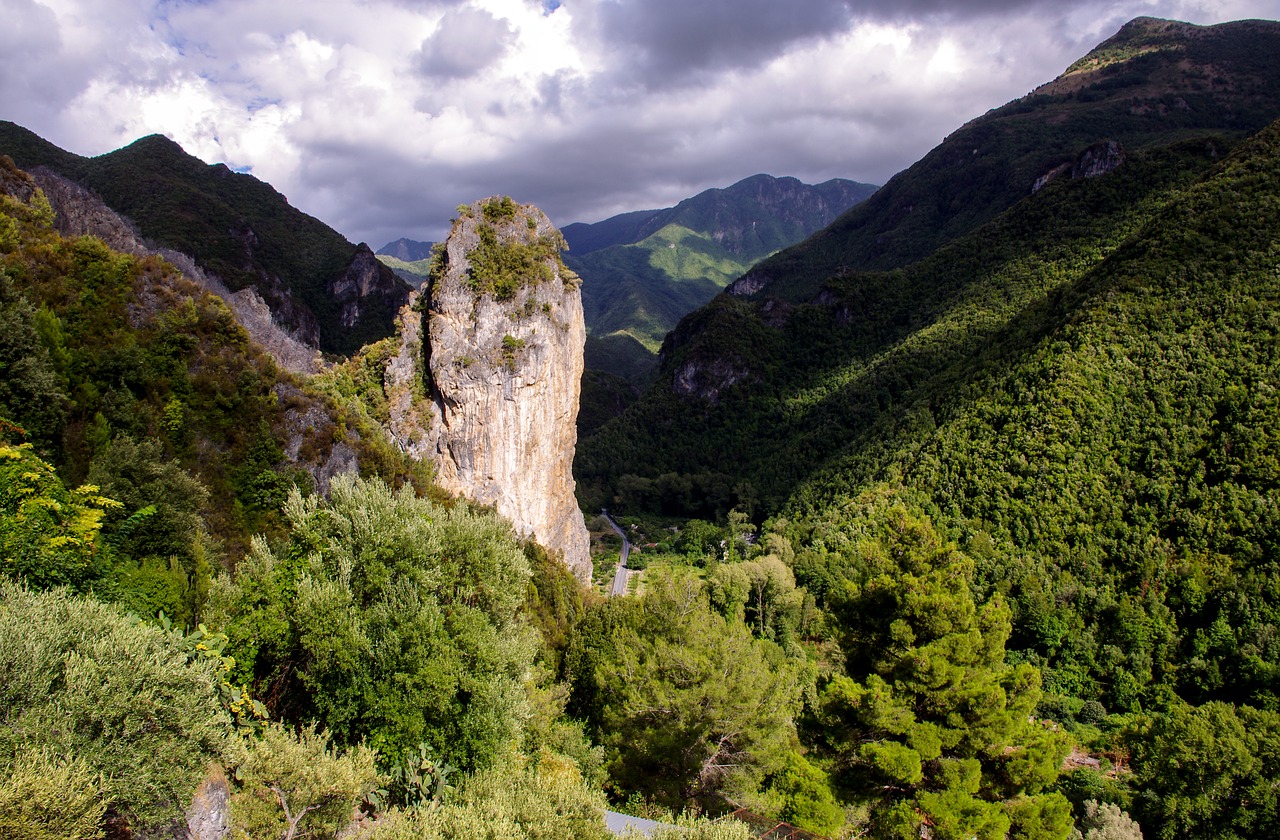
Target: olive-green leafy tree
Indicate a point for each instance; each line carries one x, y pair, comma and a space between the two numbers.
517, 798
295, 785
386, 618
81, 680
690, 705
48, 797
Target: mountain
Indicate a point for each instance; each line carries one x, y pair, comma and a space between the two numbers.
406, 250
643, 271
329, 293
1153, 81
1080, 390
408, 258
125, 373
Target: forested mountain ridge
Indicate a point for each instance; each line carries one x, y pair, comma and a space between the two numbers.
124, 373
1081, 393
326, 291
750, 218
1153, 81
643, 271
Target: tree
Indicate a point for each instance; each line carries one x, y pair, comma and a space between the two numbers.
1105, 821
808, 801
30, 391
291, 782
1207, 771
48, 797
49, 536
928, 717
691, 705
83, 681
387, 618
156, 529
518, 798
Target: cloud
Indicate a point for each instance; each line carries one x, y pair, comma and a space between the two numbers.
668, 39
466, 42
381, 116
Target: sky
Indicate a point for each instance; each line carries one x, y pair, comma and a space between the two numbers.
381, 116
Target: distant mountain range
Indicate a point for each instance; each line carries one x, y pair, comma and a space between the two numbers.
643, 271
326, 291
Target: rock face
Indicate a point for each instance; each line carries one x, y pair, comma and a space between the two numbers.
501, 366
363, 282
81, 212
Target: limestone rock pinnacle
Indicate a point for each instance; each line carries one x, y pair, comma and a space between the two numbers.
501, 362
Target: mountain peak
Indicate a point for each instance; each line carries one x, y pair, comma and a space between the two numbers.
1153, 79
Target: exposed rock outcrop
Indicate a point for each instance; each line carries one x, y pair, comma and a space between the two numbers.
501, 369
362, 283
81, 212
1098, 159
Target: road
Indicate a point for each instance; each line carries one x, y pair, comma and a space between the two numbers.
620, 576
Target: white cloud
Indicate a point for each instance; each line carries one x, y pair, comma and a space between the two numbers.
380, 116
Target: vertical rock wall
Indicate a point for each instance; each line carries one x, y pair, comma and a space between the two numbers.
502, 368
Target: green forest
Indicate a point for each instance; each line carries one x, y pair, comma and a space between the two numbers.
978, 539
1037, 466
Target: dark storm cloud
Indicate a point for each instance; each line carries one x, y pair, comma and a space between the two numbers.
661, 42
467, 41
667, 39
898, 10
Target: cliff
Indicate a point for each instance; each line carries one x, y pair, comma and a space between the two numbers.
501, 368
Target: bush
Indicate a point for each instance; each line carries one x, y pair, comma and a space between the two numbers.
47, 797
516, 799
291, 783
81, 680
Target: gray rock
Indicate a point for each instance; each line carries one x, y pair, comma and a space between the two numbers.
488, 389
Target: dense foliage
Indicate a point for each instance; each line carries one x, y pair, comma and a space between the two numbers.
387, 619
102, 691
1082, 395
129, 379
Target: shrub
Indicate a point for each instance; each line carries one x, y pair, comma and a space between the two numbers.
291, 783
82, 680
48, 797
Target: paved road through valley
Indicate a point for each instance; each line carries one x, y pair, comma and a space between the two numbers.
620, 576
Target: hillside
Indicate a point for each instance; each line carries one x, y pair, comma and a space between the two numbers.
1153, 81
123, 373
406, 250
1083, 386
326, 291
643, 271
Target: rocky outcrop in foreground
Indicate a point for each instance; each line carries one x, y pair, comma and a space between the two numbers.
499, 354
